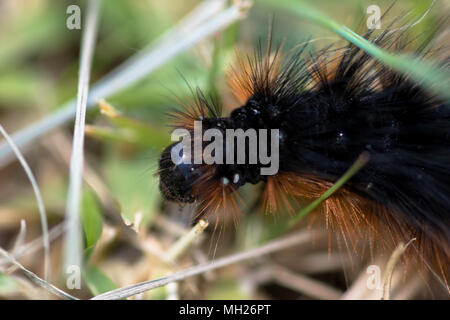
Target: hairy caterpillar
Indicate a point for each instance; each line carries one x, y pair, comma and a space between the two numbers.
330, 108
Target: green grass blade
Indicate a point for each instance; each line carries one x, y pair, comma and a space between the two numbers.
423, 72
359, 163
91, 219
97, 281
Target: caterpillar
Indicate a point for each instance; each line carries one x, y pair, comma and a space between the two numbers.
330, 107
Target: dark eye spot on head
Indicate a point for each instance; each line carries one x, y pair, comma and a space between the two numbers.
176, 180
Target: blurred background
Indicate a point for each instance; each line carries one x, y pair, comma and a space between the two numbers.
128, 229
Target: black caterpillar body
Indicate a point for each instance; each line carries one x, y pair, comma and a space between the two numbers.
329, 109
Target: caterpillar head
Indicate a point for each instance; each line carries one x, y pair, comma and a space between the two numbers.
177, 179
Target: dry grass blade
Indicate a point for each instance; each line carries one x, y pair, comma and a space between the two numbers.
33, 277
73, 238
35, 244
20, 237
275, 245
303, 284
179, 247
393, 260
40, 202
